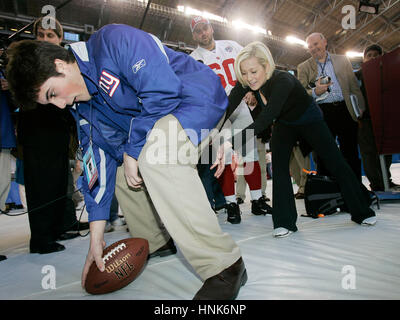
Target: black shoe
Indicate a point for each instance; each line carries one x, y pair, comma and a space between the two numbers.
67, 236
48, 248
393, 185
166, 250
220, 207
234, 213
225, 285
260, 207
79, 226
2, 257
265, 198
239, 200
299, 195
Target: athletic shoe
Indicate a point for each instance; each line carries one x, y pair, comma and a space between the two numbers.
167, 249
239, 200
394, 186
299, 195
369, 222
281, 232
265, 198
118, 222
233, 213
109, 227
260, 207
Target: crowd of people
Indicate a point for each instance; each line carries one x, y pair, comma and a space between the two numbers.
171, 139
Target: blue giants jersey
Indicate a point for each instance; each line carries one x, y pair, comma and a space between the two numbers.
134, 81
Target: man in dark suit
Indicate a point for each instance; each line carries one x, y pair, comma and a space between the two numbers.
45, 138
333, 96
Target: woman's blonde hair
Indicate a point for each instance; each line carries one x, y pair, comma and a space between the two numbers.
261, 52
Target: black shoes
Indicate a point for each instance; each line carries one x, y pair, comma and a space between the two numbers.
299, 195
218, 208
166, 250
265, 198
234, 213
260, 207
394, 186
2, 257
225, 285
79, 226
67, 236
240, 200
47, 248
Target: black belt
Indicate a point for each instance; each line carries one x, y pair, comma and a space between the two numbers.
334, 104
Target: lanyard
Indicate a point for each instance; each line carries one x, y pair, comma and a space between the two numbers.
323, 66
90, 122
78, 129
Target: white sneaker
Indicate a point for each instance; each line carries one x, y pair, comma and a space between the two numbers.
118, 222
281, 232
371, 221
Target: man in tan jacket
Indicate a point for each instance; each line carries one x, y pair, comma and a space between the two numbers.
329, 78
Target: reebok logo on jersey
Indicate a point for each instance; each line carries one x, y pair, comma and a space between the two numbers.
229, 49
138, 65
108, 83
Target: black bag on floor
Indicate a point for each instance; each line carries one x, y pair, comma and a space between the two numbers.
322, 196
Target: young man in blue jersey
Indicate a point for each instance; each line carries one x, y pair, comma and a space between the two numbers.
145, 114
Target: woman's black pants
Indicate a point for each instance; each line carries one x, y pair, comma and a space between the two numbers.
318, 136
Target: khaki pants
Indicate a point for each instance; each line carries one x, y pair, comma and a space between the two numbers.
173, 202
5, 180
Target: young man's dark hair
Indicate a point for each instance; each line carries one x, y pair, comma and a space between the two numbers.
32, 63
373, 47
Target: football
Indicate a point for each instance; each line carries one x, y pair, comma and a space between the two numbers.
124, 260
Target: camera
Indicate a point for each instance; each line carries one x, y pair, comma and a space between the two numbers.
325, 79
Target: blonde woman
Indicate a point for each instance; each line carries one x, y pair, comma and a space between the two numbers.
294, 116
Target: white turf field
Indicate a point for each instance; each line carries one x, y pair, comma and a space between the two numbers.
328, 258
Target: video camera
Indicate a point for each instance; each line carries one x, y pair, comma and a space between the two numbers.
323, 80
